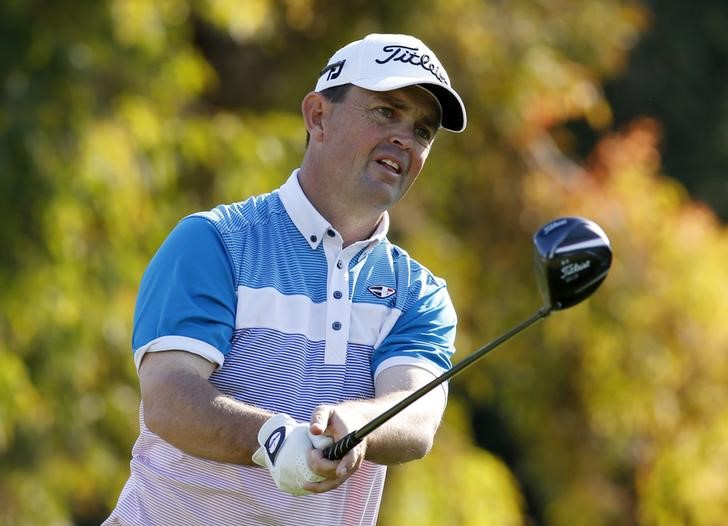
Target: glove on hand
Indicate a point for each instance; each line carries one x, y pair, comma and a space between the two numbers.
284, 447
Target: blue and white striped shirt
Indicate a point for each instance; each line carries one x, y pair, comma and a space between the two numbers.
265, 289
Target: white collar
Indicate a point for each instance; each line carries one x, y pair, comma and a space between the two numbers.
312, 225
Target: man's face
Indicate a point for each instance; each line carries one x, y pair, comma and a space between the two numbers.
377, 143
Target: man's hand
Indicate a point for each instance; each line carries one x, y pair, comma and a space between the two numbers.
285, 446
332, 422
408, 436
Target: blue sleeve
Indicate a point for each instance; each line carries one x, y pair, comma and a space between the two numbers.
187, 296
423, 335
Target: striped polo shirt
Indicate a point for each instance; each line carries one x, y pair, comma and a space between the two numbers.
265, 289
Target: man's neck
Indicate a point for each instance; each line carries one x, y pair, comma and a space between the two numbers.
352, 224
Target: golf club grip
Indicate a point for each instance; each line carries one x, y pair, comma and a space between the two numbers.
337, 450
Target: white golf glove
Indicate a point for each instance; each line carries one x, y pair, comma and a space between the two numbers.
284, 447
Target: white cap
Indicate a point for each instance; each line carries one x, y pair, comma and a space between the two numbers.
382, 62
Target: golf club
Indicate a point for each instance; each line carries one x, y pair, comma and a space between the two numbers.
572, 256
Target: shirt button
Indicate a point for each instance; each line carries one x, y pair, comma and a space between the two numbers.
331, 233
339, 264
336, 325
313, 239
337, 294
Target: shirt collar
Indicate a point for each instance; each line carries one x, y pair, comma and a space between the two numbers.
309, 222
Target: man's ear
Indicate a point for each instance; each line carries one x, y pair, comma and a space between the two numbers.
314, 107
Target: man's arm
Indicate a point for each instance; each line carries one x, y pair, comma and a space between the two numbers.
186, 410
407, 436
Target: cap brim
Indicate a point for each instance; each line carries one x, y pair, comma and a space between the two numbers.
454, 117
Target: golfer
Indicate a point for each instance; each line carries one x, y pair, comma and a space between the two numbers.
268, 328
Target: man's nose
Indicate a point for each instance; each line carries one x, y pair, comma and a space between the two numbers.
403, 136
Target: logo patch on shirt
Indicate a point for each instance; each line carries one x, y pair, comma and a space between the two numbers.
381, 291
274, 443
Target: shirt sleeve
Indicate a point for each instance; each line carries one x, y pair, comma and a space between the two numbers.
423, 336
187, 298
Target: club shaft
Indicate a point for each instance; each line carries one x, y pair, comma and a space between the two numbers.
340, 448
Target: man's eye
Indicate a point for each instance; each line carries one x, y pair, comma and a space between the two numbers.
385, 112
424, 133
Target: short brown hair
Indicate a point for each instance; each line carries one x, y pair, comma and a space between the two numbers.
333, 94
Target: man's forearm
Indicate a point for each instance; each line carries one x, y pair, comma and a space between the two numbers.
407, 436
188, 412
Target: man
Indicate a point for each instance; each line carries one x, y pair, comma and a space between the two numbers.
266, 329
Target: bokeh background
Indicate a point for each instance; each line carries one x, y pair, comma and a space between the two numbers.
119, 117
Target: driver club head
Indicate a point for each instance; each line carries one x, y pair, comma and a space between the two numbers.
572, 256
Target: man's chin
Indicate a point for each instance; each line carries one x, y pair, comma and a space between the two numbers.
384, 194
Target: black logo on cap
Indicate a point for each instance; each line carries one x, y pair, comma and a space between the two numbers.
409, 55
333, 70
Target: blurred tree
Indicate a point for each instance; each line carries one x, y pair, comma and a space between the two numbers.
636, 401
543, 401
104, 148
677, 74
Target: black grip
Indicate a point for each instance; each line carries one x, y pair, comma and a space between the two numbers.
338, 449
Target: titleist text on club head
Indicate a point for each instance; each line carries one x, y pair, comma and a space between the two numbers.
572, 256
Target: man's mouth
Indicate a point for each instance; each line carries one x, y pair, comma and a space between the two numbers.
392, 165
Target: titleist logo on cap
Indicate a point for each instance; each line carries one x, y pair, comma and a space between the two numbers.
386, 62
409, 55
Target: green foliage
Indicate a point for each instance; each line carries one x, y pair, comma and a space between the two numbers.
677, 74
457, 484
633, 382
122, 116
107, 152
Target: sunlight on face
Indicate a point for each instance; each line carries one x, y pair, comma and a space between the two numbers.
377, 142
